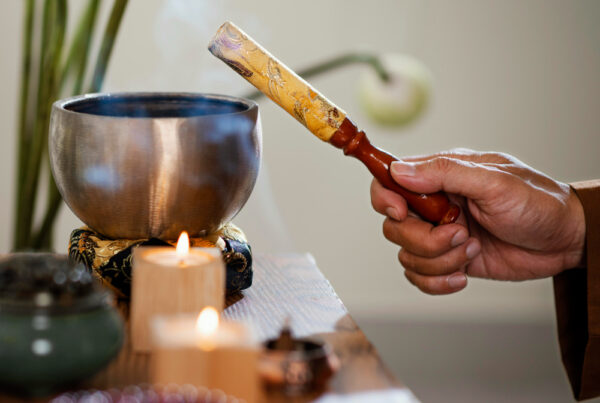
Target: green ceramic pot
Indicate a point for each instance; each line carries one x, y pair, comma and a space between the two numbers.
57, 325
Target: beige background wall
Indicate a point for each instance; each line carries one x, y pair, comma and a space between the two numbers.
520, 77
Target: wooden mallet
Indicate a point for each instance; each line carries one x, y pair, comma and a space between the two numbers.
319, 115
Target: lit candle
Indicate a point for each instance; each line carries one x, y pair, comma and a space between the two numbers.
202, 350
180, 256
171, 281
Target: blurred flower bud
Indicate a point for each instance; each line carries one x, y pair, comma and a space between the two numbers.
400, 100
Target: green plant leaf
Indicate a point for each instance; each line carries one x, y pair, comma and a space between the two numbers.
53, 32
108, 41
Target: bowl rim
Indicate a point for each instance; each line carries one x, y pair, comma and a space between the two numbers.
62, 104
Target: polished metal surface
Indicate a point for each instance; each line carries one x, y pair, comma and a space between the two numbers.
150, 165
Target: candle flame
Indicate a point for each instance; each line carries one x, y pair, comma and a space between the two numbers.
183, 246
208, 321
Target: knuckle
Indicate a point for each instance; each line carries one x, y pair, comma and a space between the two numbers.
424, 284
499, 182
431, 247
462, 151
406, 260
443, 164
408, 276
381, 198
501, 157
389, 230
415, 264
448, 262
374, 202
466, 269
427, 287
374, 194
374, 188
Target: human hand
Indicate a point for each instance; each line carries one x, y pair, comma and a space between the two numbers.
516, 223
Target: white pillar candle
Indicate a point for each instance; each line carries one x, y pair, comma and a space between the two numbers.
170, 281
203, 351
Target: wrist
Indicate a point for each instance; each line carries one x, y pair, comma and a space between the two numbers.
575, 256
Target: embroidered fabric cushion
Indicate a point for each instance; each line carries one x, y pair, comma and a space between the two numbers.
110, 259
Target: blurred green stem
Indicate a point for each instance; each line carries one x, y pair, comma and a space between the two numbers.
53, 30
74, 69
373, 61
108, 40
79, 54
20, 232
43, 237
77, 59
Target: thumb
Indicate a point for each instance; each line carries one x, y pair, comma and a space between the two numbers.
451, 175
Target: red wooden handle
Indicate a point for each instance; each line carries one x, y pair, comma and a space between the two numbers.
434, 207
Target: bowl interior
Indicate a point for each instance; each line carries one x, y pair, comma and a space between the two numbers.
155, 105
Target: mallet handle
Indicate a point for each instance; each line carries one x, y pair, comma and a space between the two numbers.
433, 207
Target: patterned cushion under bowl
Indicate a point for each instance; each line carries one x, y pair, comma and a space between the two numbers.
110, 259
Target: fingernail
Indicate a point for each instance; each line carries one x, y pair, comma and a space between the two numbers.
472, 250
459, 238
393, 213
403, 168
457, 280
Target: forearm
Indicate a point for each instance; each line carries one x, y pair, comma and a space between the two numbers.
577, 294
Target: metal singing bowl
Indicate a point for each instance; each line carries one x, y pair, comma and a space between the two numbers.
150, 165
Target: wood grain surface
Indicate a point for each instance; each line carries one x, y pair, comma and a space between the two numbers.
288, 286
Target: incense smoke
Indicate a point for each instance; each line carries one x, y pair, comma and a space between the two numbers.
182, 31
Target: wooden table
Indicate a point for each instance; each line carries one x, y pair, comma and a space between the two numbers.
291, 286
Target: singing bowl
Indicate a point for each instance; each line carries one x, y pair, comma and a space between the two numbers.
149, 165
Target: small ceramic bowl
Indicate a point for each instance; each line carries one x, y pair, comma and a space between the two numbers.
57, 325
303, 369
